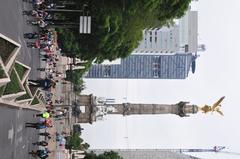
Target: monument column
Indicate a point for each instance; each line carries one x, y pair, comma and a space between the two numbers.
182, 109
96, 108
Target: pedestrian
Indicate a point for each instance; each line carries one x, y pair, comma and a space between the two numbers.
42, 68
45, 84
35, 45
36, 125
33, 35
48, 123
49, 108
45, 56
51, 111
59, 101
44, 115
43, 154
41, 143
46, 134
60, 114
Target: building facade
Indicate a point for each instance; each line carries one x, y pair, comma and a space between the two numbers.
150, 66
146, 154
180, 37
159, 40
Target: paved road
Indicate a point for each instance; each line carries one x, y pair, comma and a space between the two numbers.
13, 25
16, 140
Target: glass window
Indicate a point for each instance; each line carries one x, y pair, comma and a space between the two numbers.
107, 71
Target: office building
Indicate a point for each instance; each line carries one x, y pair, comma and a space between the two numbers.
180, 37
150, 66
146, 154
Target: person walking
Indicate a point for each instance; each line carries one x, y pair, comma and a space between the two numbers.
45, 84
33, 35
36, 125
46, 134
41, 143
43, 154
44, 115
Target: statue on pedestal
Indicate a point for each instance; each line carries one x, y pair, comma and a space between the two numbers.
214, 108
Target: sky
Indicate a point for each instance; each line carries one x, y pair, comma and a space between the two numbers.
216, 75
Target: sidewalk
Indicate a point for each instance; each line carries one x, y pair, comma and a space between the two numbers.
52, 143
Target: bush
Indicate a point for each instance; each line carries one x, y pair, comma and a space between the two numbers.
6, 48
14, 85
35, 101
25, 96
20, 70
1, 72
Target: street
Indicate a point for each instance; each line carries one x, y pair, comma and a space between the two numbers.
13, 25
16, 140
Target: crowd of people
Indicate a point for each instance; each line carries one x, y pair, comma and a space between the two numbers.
41, 17
45, 122
44, 40
43, 125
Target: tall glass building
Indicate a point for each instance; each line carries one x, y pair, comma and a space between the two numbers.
147, 153
150, 66
179, 37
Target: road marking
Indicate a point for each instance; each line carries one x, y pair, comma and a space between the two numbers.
20, 139
11, 134
20, 128
18, 114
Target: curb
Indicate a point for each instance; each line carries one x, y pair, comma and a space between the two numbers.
18, 106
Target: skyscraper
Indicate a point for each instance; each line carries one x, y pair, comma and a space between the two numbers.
180, 37
147, 66
146, 153
164, 53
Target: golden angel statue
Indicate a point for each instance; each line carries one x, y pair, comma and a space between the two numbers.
214, 108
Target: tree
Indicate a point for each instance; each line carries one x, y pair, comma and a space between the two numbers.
84, 146
75, 142
105, 155
117, 26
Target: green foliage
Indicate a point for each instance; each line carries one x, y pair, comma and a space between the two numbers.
13, 85
117, 26
68, 42
75, 76
75, 142
33, 89
20, 70
6, 48
105, 155
84, 146
2, 90
1, 72
80, 86
35, 101
25, 96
